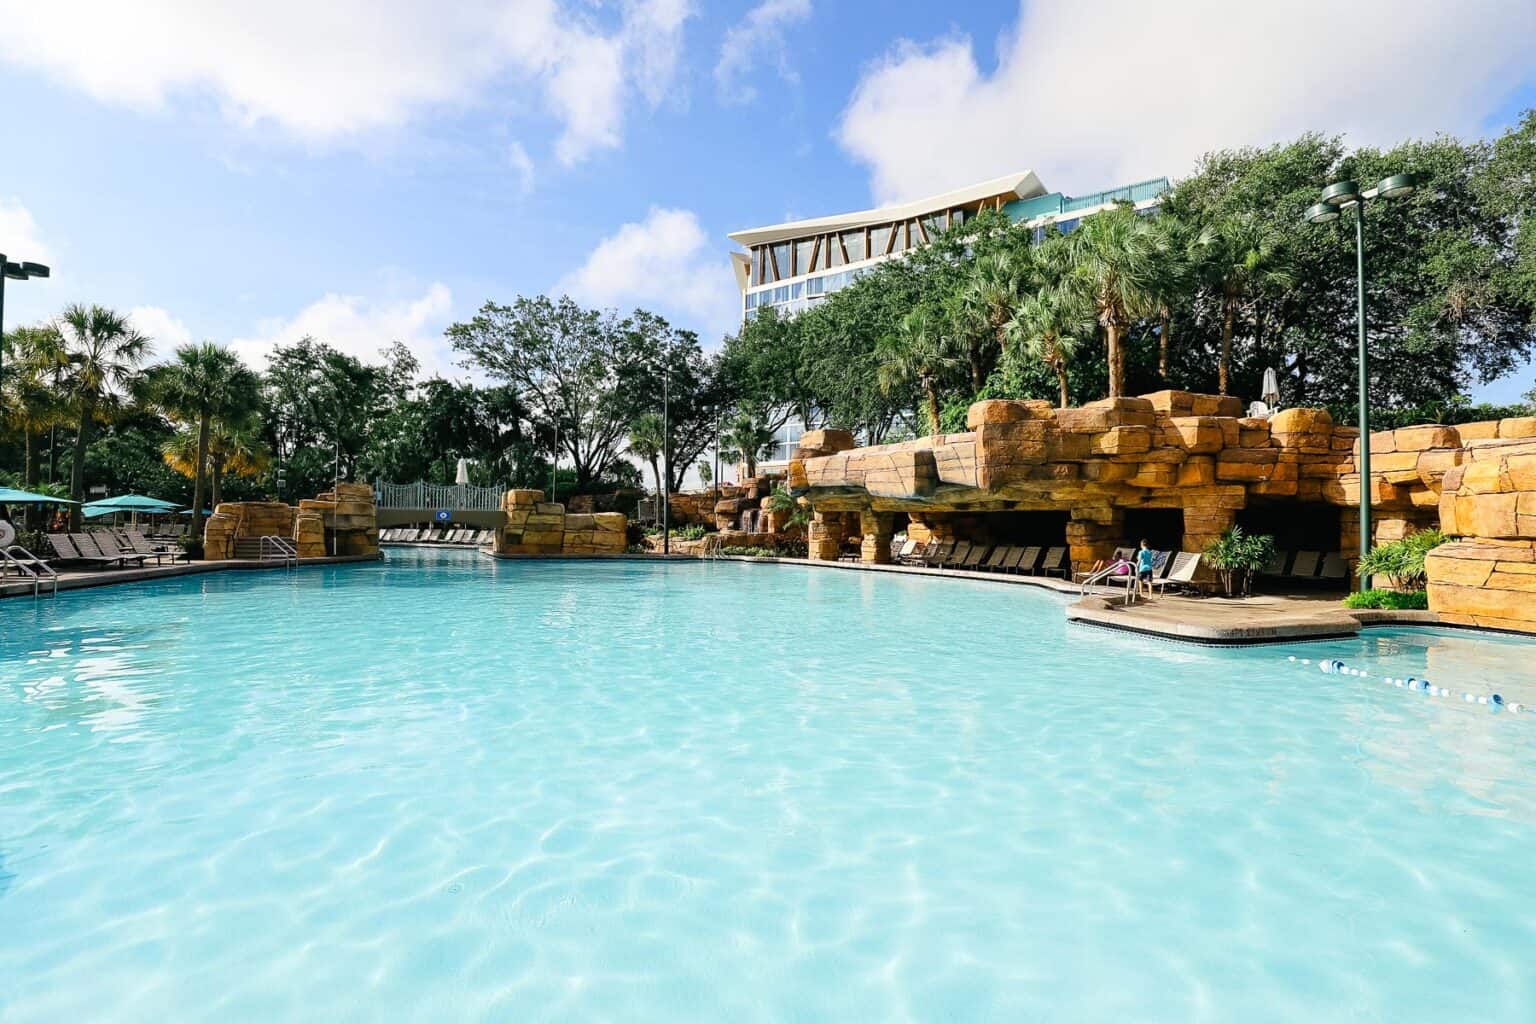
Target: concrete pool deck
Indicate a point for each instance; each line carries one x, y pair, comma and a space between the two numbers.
80, 579
1217, 621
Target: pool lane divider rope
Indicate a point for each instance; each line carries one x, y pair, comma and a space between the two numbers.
1495, 701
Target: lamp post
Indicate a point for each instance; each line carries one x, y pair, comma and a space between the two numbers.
14, 272
666, 449
1336, 198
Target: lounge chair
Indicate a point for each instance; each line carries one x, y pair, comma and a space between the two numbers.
1334, 567
66, 551
487, 537
1305, 565
1056, 562
1182, 574
957, 555
995, 561
939, 555
904, 552
921, 553
138, 544
1026, 561
88, 544
973, 558
1276, 564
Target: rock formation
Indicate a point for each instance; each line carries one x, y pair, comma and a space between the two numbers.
538, 527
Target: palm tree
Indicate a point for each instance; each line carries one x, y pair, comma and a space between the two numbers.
1050, 325
1175, 280
747, 439
205, 383
104, 353
1115, 256
998, 282
646, 439
1241, 254
29, 404
233, 447
920, 350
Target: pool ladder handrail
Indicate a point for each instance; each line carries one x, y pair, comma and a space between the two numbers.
29, 566
279, 549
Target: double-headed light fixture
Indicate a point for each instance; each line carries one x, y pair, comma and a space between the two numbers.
14, 272
1338, 197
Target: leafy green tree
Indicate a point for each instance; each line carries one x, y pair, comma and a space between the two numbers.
748, 438
30, 402
104, 354
1241, 253
321, 409
647, 439
921, 352
203, 385
1051, 325
1115, 256
579, 371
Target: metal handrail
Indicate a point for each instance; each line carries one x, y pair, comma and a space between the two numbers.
13, 556
282, 550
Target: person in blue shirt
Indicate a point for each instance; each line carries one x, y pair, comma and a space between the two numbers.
1146, 559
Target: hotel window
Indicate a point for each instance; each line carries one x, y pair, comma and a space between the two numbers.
759, 265
781, 293
815, 286
853, 241
832, 253
803, 250
878, 238
781, 260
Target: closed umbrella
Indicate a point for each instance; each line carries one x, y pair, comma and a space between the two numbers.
1271, 388
462, 476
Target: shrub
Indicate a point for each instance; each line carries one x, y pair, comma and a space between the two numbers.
1394, 600
693, 531
1236, 555
781, 500
1402, 561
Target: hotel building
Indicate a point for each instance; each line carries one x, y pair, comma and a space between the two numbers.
794, 265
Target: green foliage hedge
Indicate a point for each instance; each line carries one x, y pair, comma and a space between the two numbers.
1393, 600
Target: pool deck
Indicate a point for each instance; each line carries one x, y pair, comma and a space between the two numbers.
1214, 621
79, 579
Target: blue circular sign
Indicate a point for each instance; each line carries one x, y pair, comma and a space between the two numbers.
442, 515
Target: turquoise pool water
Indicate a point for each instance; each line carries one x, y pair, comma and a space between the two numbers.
449, 789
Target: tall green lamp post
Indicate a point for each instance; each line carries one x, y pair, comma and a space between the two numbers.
1339, 196
14, 272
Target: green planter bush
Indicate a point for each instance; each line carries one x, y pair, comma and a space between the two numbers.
1393, 600
1236, 555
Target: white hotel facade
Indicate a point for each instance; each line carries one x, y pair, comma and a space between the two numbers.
794, 265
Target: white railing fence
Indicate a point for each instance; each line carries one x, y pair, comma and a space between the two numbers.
458, 497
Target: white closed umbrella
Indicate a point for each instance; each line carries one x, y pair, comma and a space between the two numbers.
462, 476
1271, 388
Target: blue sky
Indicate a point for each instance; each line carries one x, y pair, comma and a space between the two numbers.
377, 170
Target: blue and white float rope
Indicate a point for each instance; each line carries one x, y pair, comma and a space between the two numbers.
1335, 667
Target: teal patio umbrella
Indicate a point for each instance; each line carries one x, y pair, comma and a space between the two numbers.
11, 496
128, 503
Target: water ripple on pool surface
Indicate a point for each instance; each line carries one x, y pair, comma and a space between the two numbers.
445, 788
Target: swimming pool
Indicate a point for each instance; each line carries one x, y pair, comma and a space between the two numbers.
448, 788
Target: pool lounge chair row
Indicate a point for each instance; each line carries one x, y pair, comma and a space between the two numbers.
106, 549
436, 535
1308, 565
965, 555
1173, 570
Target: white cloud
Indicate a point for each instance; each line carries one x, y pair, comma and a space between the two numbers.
326, 71
165, 331
1095, 93
522, 164
665, 263
362, 327
759, 35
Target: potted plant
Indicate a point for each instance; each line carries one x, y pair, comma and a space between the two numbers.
1236, 555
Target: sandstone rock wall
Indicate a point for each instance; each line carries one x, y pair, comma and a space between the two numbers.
346, 517
1198, 454
538, 527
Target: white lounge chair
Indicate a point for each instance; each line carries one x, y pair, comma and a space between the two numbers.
1182, 574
